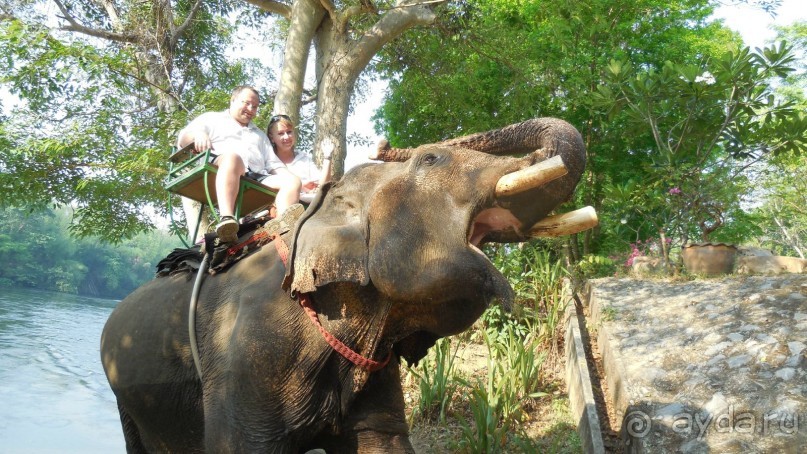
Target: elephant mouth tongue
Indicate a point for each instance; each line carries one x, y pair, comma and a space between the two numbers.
491, 220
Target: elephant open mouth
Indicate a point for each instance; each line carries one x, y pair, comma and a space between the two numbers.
502, 221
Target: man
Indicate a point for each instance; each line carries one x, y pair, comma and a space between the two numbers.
239, 146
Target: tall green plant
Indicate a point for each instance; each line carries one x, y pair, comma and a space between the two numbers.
497, 405
436, 382
538, 280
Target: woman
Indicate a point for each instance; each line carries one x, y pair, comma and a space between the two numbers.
283, 137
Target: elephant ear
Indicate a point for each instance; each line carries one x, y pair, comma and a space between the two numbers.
329, 243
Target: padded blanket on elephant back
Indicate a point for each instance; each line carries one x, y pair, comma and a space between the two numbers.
251, 237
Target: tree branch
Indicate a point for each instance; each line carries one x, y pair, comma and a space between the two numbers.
392, 24
111, 12
76, 27
272, 6
177, 32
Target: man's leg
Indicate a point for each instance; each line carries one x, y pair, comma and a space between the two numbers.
230, 168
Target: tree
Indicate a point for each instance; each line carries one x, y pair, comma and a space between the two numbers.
108, 85
783, 208
40, 254
102, 93
710, 123
510, 61
345, 41
781, 201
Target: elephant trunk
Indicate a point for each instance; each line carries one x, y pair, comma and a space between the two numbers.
549, 136
553, 160
386, 153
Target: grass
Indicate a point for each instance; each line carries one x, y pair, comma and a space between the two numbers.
496, 388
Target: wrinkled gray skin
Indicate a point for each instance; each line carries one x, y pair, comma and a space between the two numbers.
386, 254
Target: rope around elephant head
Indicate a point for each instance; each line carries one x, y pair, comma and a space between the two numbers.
305, 301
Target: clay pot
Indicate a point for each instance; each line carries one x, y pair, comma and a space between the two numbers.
710, 259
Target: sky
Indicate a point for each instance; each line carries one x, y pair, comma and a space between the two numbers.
755, 26
752, 24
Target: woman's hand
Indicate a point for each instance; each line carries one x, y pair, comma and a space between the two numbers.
311, 186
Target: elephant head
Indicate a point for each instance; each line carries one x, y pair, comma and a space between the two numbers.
412, 226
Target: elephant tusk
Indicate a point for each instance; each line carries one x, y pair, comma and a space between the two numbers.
533, 176
566, 223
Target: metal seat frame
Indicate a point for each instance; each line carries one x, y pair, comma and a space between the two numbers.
192, 175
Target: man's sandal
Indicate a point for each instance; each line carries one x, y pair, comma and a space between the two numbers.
227, 229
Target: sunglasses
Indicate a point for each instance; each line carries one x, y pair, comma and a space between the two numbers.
276, 118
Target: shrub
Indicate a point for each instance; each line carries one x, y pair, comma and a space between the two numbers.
594, 266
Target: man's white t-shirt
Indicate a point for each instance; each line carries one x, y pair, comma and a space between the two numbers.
227, 135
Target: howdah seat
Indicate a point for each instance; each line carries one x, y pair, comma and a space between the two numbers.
192, 175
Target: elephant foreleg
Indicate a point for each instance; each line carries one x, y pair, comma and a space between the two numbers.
372, 442
377, 421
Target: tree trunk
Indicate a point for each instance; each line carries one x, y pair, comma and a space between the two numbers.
340, 60
306, 17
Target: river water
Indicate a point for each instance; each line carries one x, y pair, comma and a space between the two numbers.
54, 397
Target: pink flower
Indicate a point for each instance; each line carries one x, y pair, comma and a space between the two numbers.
675, 191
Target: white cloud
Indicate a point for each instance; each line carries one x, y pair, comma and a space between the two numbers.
754, 25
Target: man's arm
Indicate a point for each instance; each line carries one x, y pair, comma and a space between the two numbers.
199, 138
197, 133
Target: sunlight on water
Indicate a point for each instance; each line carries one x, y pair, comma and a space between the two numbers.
54, 395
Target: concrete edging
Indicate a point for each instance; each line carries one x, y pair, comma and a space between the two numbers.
578, 381
615, 374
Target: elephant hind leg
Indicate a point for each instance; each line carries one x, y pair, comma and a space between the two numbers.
134, 444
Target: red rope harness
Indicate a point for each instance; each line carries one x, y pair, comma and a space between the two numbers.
305, 301
232, 250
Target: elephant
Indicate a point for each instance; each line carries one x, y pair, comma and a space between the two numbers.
388, 259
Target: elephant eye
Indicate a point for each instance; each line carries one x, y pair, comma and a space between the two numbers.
429, 159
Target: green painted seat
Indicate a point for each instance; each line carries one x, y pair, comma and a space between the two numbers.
191, 175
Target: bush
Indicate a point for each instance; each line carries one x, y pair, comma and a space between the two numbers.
594, 266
